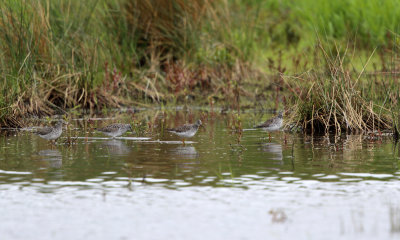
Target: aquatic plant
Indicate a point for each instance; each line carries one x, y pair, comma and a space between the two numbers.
336, 100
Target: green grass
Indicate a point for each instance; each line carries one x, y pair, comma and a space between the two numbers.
109, 53
339, 100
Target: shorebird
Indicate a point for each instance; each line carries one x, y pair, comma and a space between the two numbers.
186, 131
51, 133
115, 130
273, 124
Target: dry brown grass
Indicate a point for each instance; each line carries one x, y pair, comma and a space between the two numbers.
54, 57
165, 28
334, 102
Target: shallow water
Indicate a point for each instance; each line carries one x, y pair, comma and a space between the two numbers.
219, 185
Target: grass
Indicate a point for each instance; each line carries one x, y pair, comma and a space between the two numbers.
335, 101
57, 55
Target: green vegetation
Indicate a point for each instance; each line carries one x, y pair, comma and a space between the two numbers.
109, 53
339, 100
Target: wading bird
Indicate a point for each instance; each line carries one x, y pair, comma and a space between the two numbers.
273, 124
115, 130
186, 131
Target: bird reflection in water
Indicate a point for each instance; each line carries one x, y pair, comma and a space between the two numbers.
184, 152
116, 147
185, 157
52, 156
275, 151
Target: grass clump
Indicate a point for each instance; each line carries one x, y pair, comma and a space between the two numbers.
92, 54
46, 60
337, 100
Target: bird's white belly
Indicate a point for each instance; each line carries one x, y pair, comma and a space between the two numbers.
271, 129
115, 134
274, 127
53, 135
187, 134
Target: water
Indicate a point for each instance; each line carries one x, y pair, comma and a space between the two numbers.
218, 186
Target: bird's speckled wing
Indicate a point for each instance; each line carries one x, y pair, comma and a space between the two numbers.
266, 123
110, 128
43, 131
180, 129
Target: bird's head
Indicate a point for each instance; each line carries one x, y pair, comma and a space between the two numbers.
198, 122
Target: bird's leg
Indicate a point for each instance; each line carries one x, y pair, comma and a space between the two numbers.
269, 136
285, 139
183, 141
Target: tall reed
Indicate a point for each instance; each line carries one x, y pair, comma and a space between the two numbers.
336, 100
